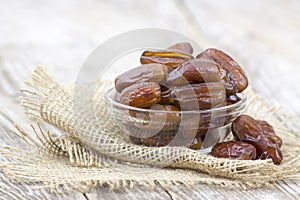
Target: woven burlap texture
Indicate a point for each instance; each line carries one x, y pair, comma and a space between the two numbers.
92, 150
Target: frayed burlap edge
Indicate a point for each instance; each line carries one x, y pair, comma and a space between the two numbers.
63, 164
97, 163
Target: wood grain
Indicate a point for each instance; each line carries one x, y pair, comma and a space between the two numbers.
264, 37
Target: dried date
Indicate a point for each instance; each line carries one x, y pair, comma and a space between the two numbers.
146, 73
270, 132
141, 95
226, 77
155, 120
234, 150
238, 75
247, 129
232, 99
170, 58
207, 95
171, 114
228, 82
195, 71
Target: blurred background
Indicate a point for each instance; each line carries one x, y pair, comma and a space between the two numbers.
263, 36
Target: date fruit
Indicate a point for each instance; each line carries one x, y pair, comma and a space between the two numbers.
270, 132
183, 47
232, 99
141, 95
226, 77
159, 117
238, 75
195, 71
234, 150
228, 82
170, 58
145, 73
171, 114
247, 129
207, 95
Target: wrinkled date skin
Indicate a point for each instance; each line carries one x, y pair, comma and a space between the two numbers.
195, 71
247, 129
238, 75
141, 95
234, 150
207, 95
146, 73
226, 77
270, 132
170, 58
183, 47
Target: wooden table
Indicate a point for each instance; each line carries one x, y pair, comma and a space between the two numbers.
264, 36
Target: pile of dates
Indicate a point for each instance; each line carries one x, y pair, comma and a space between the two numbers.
256, 139
174, 80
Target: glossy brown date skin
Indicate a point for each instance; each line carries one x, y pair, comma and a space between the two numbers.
141, 95
270, 132
234, 150
207, 95
247, 129
226, 77
228, 82
238, 75
183, 47
170, 58
195, 71
145, 73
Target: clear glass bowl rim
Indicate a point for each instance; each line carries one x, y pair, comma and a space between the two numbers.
234, 106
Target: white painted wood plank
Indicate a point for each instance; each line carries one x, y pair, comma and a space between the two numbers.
263, 36
8, 189
136, 193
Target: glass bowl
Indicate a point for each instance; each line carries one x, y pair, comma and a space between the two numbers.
199, 129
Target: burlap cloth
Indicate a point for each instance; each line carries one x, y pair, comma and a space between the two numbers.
96, 152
